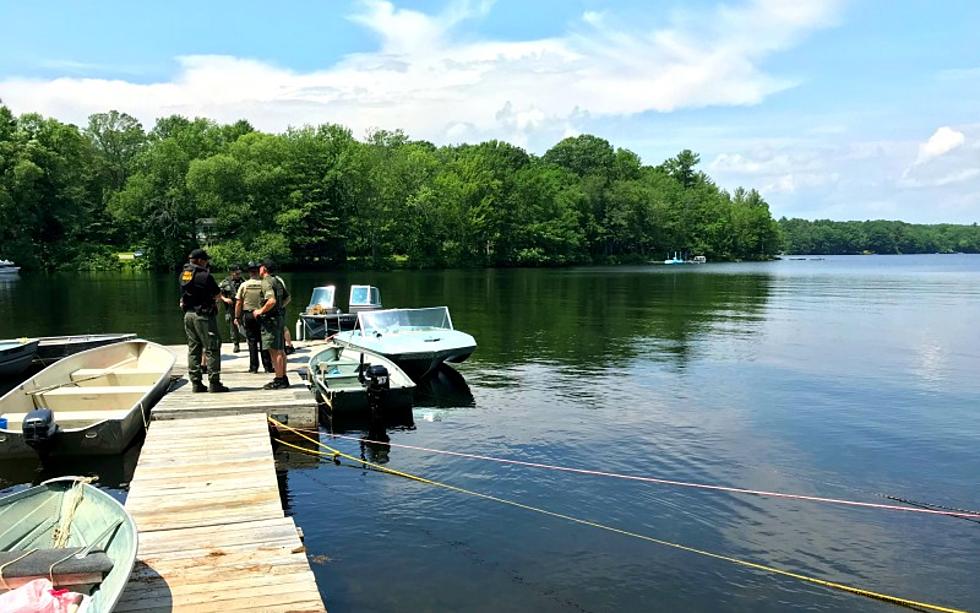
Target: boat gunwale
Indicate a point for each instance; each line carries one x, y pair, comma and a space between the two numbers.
165, 374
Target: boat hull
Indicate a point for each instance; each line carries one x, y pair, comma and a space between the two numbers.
416, 364
343, 397
108, 436
16, 359
28, 511
50, 349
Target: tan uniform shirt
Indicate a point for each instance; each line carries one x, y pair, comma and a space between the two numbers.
250, 293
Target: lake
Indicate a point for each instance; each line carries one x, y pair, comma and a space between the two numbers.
846, 377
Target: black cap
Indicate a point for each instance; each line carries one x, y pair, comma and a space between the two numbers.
235, 268
252, 265
199, 254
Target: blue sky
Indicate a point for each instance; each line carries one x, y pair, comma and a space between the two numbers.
837, 109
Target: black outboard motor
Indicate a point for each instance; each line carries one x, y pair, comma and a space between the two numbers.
39, 429
375, 379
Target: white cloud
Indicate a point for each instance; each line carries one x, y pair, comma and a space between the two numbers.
942, 141
437, 85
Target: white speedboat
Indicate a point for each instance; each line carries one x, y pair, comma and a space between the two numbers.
417, 340
8, 268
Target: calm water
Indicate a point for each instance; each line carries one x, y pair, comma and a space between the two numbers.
844, 377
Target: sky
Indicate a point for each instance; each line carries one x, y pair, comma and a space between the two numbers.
833, 109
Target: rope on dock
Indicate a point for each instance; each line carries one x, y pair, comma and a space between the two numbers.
335, 454
923, 509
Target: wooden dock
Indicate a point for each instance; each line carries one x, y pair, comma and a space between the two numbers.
206, 501
294, 406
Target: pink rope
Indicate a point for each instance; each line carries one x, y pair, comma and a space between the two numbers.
702, 486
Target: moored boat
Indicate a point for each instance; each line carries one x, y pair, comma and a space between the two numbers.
16, 356
8, 268
72, 533
338, 376
323, 318
417, 340
92, 403
53, 348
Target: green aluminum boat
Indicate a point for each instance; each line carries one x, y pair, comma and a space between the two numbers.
335, 371
73, 532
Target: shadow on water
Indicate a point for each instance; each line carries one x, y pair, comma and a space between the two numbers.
114, 472
445, 388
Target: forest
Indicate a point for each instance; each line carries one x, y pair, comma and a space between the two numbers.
883, 237
75, 198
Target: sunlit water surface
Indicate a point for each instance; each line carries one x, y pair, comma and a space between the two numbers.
844, 377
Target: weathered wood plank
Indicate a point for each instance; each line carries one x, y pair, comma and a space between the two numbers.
213, 535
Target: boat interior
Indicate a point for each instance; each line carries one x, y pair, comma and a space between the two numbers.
60, 518
89, 387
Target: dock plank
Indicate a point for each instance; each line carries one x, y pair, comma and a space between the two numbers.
213, 535
295, 405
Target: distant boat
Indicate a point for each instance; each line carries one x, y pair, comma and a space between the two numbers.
50, 349
417, 340
71, 533
336, 371
16, 355
699, 259
323, 318
674, 260
92, 403
8, 268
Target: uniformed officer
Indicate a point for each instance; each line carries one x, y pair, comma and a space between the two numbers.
229, 291
198, 293
249, 299
271, 317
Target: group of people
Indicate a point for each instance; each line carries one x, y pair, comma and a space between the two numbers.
255, 309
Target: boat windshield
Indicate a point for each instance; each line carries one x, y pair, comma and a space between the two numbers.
364, 295
395, 320
322, 296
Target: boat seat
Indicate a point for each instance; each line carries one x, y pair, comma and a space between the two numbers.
81, 373
100, 390
91, 377
68, 419
90, 397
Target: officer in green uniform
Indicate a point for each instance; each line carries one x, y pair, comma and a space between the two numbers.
271, 316
229, 290
249, 299
198, 293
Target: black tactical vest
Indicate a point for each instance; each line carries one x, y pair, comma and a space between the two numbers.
193, 290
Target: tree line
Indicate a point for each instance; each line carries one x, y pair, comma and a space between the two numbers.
885, 237
71, 198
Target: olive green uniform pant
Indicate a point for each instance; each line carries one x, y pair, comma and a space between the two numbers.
234, 334
202, 339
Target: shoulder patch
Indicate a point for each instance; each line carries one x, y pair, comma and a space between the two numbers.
186, 276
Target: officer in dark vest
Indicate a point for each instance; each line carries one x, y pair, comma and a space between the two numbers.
229, 290
198, 295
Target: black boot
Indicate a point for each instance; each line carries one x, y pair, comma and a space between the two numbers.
276, 384
217, 388
198, 387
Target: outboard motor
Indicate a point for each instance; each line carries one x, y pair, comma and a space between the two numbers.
375, 379
39, 429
